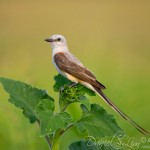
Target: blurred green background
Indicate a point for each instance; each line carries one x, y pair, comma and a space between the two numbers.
112, 38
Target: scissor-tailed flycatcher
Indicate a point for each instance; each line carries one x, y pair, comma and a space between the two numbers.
70, 67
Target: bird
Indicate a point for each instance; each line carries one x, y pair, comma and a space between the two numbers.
71, 68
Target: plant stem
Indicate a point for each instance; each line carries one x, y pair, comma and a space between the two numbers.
70, 126
56, 140
64, 108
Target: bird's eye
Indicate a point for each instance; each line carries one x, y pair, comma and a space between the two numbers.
59, 39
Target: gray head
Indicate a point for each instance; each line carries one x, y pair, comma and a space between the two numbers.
57, 40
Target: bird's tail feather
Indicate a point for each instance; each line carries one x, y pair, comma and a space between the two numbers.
122, 114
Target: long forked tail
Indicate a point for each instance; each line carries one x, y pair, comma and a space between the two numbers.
122, 114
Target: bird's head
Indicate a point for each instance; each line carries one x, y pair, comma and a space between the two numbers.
57, 41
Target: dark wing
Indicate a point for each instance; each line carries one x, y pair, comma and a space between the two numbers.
69, 64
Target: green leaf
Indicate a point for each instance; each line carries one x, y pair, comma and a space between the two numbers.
83, 100
88, 91
24, 96
50, 122
97, 122
60, 81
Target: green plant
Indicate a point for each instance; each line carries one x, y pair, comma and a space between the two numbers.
39, 107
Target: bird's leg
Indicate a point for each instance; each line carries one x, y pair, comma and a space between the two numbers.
61, 89
72, 84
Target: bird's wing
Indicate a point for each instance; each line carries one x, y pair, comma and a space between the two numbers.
66, 62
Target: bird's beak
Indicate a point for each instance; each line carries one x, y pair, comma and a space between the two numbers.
49, 40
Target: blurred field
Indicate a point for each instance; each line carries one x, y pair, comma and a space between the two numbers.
111, 38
